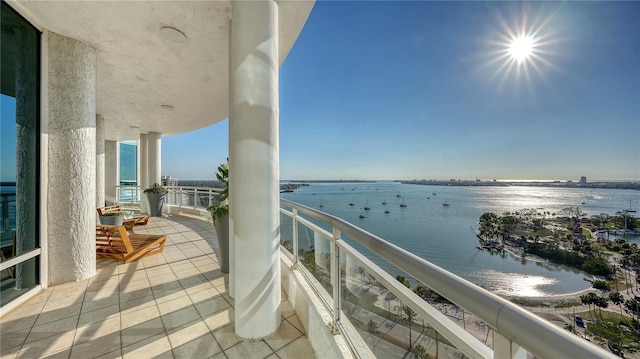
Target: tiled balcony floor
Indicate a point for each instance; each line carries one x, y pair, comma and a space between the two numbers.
169, 305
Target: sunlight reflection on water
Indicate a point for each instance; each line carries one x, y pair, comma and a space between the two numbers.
516, 284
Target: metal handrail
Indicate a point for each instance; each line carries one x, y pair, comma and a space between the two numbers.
513, 322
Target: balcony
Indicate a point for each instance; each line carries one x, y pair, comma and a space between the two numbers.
173, 304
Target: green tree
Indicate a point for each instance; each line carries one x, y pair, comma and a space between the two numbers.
372, 327
403, 280
420, 352
617, 299
410, 315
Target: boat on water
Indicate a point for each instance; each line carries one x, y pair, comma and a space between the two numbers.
398, 195
387, 211
445, 203
321, 204
366, 208
351, 203
402, 204
361, 215
384, 201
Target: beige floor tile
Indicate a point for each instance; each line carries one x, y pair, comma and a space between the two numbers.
169, 295
248, 349
53, 315
139, 316
134, 285
286, 334
116, 354
46, 346
140, 293
193, 340
226, 336
286, 310
220, 319
142, 331
177, 318
97, 330
58, 327
133, 305
12, 340
10, 353
209, 307
154, 347
300, 348
91, 305
296, 323
18, 323
173, 305
99, 315
97, 346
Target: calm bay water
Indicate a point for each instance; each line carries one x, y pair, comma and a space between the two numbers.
443, 234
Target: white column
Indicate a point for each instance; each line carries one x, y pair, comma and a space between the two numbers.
143, 165
154, 163
254, 167
100, 161
72, 159
111, 170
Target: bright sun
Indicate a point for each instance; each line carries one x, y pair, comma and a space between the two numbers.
521, 48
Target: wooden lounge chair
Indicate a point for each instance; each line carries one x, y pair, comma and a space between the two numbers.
128, 223
114, 242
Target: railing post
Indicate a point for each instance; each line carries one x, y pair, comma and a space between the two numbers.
335, 276
294, 237
504, 348
195, 198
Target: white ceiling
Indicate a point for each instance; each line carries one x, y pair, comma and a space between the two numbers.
139, 70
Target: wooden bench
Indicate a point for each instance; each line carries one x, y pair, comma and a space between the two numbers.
114, 242
128, 223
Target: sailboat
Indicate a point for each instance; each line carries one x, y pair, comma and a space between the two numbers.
351, 203
361, 215
446, 203
366, 208
402, 204
321, 204
384, 201
398, 195
386, 211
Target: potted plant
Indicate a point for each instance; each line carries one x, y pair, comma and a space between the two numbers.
155, 197
220, 217
114, 218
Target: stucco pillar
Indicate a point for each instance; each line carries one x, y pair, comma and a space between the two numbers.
100, 161
154, 158
72, 159
254, 167
111, 171
143, 150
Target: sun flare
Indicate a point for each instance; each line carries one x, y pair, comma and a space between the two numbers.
521, 48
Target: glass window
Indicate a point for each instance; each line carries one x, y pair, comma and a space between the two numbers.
19, 146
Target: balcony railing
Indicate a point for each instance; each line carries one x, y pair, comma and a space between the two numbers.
337, 258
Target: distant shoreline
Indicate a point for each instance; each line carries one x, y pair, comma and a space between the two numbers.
555, 184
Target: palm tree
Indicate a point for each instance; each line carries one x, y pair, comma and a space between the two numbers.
601, 302
410, 315
372, 326
617, 299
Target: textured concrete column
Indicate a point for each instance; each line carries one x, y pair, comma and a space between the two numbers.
254, 167
154, 158
72, 159
143, 150
111, 171
100, 161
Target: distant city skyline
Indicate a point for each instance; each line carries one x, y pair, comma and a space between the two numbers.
434, 90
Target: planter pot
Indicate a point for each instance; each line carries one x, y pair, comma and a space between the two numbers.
156, 201
222, 233
112, 220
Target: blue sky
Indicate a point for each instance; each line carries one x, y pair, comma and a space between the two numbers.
389, 90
